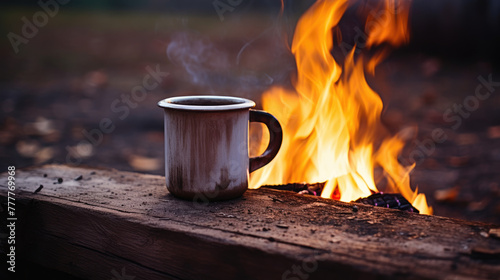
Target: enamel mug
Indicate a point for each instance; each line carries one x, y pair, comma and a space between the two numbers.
206, 145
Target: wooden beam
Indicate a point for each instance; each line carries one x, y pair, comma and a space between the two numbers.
104, 224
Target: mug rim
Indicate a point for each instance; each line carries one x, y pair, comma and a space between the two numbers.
235, 103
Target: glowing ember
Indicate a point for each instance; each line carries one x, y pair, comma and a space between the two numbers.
331, 122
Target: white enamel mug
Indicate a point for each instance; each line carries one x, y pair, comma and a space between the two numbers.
206, 145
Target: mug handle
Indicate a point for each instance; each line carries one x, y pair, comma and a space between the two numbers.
275, 135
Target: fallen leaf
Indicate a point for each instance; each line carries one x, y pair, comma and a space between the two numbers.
447, 194
494, 232
43, 126
430, 163
478, 205
44, 155
81, 150
94, 81
155, 137
52, 137
393, 119
429, 96
141, 163
466, 139
457, 161
27, 148
494, 189
496, 209
485, 252
494, 132
408, 133
434, 116
430, 66
7, 137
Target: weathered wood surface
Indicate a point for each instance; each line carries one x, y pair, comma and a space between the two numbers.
111, 223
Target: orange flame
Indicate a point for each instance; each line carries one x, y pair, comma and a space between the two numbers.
331, 121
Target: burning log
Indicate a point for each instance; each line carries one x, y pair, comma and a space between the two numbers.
387, 200
302, 188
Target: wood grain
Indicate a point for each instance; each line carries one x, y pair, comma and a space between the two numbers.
109, 221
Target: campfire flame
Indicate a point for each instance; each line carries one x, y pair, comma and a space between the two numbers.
331, 120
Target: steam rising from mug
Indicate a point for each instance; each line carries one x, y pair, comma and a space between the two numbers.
212, 68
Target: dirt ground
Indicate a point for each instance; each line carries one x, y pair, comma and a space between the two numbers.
66, 97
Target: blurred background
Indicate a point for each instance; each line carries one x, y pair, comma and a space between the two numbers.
72, 71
